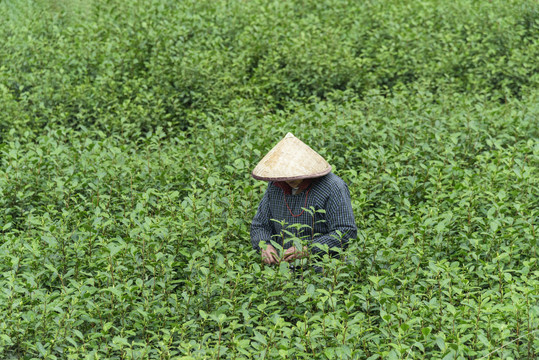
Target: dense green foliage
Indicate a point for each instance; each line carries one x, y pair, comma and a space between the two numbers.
117, 64
129, 130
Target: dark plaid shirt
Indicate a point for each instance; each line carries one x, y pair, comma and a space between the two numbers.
329, 193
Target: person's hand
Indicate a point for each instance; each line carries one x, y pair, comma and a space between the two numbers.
270, 255
292, 254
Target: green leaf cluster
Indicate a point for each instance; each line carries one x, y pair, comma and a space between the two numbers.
121, 67
128, 133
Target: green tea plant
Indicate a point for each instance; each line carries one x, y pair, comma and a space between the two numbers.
135, 250
128, 132
127, 68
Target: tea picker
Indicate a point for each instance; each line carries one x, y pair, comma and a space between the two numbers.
304, 203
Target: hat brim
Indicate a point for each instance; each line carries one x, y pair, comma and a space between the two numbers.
291, 178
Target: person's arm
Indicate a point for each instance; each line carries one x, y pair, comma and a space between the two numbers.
261, 225
339, 217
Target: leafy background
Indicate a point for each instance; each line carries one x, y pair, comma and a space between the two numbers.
129, 130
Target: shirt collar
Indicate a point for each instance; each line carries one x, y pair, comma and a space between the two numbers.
288, 189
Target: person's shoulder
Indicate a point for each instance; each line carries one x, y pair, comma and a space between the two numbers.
331, 182
333, 179
271, 188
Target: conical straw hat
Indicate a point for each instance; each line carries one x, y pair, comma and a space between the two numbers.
291, 159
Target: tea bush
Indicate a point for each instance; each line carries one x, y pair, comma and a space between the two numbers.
129, 131
150, 62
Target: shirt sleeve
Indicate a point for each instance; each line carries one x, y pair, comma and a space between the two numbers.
339, 218
261, 225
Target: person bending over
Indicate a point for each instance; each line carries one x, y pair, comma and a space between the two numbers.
300, 181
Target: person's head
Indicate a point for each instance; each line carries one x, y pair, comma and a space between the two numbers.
294, 184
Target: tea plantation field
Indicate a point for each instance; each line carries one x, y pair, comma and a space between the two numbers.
128, 132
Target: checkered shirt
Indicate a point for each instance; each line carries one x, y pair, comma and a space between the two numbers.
329, 193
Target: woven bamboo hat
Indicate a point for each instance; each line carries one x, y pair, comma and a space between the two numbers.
291, 159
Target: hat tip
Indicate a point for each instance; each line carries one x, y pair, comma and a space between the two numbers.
289, 135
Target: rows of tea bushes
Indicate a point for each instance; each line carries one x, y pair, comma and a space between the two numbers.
149, 62
129, 131
120, 249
